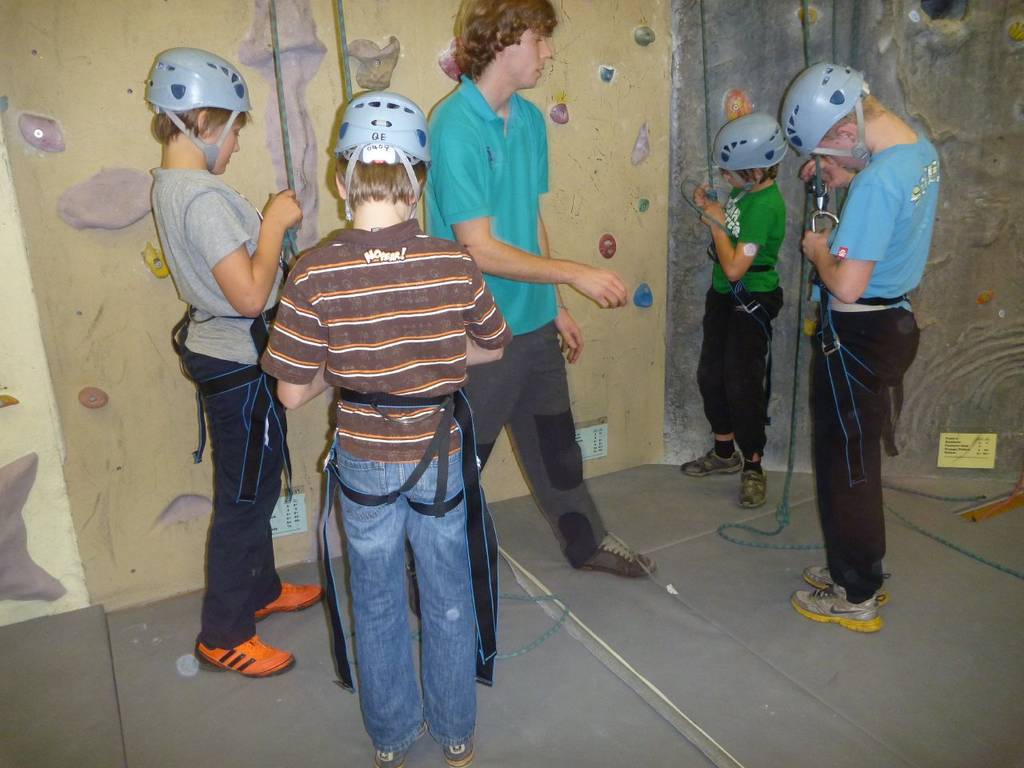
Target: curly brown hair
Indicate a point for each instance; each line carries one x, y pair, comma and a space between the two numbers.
484, 28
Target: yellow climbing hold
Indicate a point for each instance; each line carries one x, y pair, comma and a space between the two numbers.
1015, 30
154, 259
812, 15
810, 326
6, 400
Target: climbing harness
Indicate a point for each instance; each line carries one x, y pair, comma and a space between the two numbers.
259, 405
480, 535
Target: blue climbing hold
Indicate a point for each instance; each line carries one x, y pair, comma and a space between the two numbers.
642, 296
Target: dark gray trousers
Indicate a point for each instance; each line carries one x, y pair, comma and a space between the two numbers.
527, 391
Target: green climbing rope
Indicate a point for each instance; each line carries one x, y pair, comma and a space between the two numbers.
708, 142
290, 249
782, 510
346, 77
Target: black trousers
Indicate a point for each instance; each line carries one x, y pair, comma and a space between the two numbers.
240, 572
528, 391
731, 370
876, 348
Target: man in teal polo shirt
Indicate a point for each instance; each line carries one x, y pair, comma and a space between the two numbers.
490, 167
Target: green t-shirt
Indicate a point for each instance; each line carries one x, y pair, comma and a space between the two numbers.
758, 218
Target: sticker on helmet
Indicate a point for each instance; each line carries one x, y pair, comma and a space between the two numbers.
379, 153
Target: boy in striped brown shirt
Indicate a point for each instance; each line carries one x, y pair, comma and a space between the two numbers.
392, 318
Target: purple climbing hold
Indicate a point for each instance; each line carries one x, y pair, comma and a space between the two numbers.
183, 509
607, 245
41, 132
446, 60
114, 198
642, 147
560, 114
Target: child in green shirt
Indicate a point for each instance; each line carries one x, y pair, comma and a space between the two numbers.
735, 358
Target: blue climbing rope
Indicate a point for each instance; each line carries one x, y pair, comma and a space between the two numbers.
290, 249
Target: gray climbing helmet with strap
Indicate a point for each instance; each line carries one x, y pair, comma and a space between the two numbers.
382, 127
817, 99
751, 141
183, 79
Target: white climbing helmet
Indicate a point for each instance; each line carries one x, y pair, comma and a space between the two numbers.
183, 79
383, 127
751, 141
817, 99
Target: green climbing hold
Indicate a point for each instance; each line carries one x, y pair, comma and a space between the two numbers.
643, 204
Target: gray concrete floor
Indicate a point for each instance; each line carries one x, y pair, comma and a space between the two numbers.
939, 686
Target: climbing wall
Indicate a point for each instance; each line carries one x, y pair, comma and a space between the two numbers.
77, 131
953, 69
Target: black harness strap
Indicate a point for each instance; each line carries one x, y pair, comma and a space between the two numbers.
840, 376
480, 535
261, 406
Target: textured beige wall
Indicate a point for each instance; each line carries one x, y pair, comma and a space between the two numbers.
105, 318
32, 426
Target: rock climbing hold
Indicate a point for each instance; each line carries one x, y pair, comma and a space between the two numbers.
643, 204
183, 509
736, 103
607, 245
1015, 30
643, 36
560, 114
6, 400
111, 199
1001, 313
375, 63
154, 259
642, 146
606, 73
810, 326
93, 397
642, 296
812, 15
914, 16
985, 297
41, 132
3, 103
446, 60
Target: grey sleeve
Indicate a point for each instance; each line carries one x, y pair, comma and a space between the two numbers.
213, 228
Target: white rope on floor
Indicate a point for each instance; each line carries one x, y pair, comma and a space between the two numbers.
690, 730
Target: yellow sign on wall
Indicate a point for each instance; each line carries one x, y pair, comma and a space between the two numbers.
967, 450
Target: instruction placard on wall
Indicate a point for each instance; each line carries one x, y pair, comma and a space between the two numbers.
967, 450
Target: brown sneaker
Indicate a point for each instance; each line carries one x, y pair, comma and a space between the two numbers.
253, 658
713, 464
753, 485
614, 556
293, 597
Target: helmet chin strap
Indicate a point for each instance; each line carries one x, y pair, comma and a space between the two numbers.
210, 151
355, 156
858, 151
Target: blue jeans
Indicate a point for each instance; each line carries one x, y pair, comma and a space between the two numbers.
389, 696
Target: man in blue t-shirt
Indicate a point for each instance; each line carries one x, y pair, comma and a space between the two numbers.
490, 167
867, 335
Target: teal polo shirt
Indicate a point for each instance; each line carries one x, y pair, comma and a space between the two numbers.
481, 169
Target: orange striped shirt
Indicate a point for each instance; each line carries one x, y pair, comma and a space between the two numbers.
384, 311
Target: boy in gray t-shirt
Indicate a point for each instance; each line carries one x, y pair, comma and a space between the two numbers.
226, 267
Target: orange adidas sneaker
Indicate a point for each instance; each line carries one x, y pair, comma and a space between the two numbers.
293, 597
253, 658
